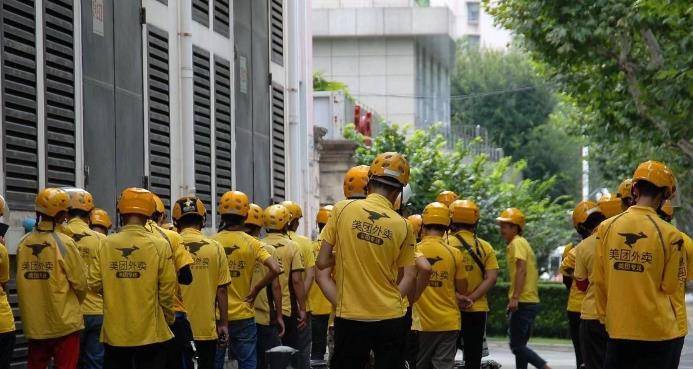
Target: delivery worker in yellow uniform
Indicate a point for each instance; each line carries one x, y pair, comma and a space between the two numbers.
638, 265
277, 219
320, 306
7, 328
355, 182
180, 350
523, 294
481, 266
610, 205
89, 243
243, 253
368, 243
210, 278
447, 197
100, 222
51, 284
135, 272
625, 193
436, 313
678, 300
416, 224
586, 217
268, 303
305, 245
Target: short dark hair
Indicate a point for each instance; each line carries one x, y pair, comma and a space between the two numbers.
233, 219
436, 227
587, 227
455, 227
190, 221
648, 189
156, 216
78, 213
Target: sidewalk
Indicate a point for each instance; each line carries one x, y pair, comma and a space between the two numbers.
559, 356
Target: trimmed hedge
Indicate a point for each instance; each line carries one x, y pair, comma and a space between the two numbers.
551, 321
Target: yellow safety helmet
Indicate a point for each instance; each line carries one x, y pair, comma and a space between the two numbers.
188, 205
80, 199
447, 197
324, 214
294, 209
668, 209
512, 216
416, 222
658, 174
234, 202
355, 182
436, 213
254, 215
610, 205
100, 217
135, 200
624, 189
276, 217
583, 210
464, 212
158, 204
51, 201
3, 203
390, 165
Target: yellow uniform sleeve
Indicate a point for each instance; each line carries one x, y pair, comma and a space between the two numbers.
328, 233
672, 264
224, 276
596, 276
568, 263
181, 256
308, 256
688, 245
260, 253
580, 273
4, 265
297, 260
167, 284
491, 261
94, 278
460, 271
519, 251
74, 269
408, 249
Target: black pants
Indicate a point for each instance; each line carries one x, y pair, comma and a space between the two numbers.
593, 338
206, 352
137, 357
319, 324
574, 326
353, 341
472, 338
179, 353
410, 345
676, 355
521, 323
267, 338
633, 354
6, 349
298, 339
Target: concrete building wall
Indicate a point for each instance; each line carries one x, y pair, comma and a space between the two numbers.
473, 21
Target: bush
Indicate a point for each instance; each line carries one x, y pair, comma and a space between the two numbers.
551, 321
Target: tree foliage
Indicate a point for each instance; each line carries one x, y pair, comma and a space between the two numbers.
627, 64
492, 185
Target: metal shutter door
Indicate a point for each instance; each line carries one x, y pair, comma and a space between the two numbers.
221, 17
278, 147
200, 11
222, 125
277, 31
17, 19
159, 113
59, 92
202, 126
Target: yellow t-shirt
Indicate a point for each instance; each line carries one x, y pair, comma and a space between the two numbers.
262, 305
437, 310
210, 271
575, 296
290, 257
6, 316
305, 246
319, 304
584, 259
371, 243
486, 254
51, 283
89, 243
519, 249
636, 265
243, 253
679, 298
181, 257
138, 280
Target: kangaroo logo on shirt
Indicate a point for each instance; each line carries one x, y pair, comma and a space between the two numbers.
127, 251
194, 247
632, 238
78, 236
36, 248
432, 261
230, 250
374, 215
678, 244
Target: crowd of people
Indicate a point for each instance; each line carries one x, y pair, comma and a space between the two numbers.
391, 292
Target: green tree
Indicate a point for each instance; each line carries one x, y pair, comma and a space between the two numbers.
626, 63
494, 186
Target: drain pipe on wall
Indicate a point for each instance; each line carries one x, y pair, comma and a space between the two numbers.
186, 97
296, 161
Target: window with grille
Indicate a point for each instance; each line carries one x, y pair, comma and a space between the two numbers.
202, 126
159, 113
19, 106
473, 12
278, 144
277, 31
200, 11
222, 125
221, 17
